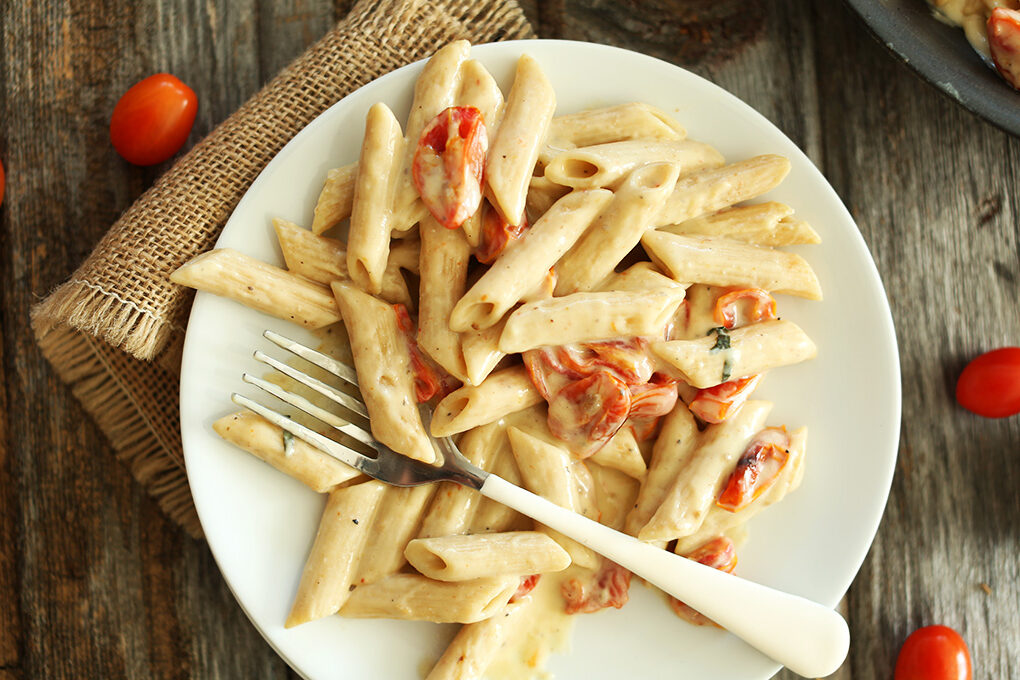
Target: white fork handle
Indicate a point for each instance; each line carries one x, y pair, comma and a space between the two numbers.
804, 636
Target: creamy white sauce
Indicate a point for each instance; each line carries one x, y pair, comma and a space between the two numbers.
547, 630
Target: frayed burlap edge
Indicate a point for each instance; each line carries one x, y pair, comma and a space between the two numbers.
94, 335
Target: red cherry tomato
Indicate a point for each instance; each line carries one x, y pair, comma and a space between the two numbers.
1004, 43
933, 653
990, 384
153, 119
1, 183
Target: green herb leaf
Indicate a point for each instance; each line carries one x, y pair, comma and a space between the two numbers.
722, 338
727, 370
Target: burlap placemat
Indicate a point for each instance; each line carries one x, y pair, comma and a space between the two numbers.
114, 331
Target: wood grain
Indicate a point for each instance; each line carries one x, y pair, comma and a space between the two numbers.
95, 583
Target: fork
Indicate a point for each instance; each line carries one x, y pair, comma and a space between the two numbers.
806, 637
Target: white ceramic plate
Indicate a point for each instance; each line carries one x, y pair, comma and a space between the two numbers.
260, 523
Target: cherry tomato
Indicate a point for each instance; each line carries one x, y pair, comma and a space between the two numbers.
528, 584
719, 553
716, 404
1004, 43
762, 306
933, 653
153, 119
1, 183
497, 234
588, 412
757, 470
990, 384
608, 587
427, 381
448, 164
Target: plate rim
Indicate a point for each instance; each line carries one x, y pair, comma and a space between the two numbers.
988, 96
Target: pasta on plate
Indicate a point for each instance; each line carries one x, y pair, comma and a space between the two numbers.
588, 300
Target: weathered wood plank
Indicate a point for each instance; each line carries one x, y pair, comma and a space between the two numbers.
11, 637
101, 585
934, 192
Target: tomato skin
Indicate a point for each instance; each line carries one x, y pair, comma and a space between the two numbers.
933, 653
990, 384
153, 119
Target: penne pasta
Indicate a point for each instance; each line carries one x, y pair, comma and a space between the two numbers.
494, 516
260, 286
699, 481
462, 558
444, 264
372, 215
622, 453
476, 645
383, 363
719, 521
615, 494
324, 260
521, 269
549, 471
336, 198
396, 522
722, 262
434, 92
707, 191
640, 276
405, 252
329, 572
415, 598
454, 506
612, 124
584, 317
614, 233
750, 350
502, 393
541, 196
765, 224
603, 165
677, 442
288, 454
479, 89
514, 149
481, 352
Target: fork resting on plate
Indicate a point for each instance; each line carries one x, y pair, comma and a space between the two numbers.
806, 637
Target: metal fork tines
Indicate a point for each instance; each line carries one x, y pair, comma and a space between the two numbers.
386, 465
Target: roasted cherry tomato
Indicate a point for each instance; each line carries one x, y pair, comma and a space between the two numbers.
497, 234
990, 384
153, 119
716, 404
1004, 43
933, 653
1, 183
757, 469
427, 381
719, 553
587, 413
608, 587
448, 164
528, 584
762, 306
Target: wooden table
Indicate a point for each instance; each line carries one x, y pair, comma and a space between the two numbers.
96, 583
